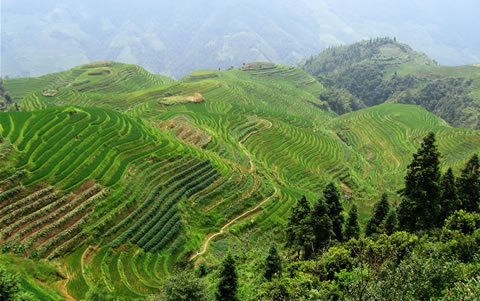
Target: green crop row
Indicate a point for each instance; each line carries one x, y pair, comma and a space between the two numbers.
6, 195
156, 190
160, 235
177, 244
166, 213
79, 211
70, 205
202, 183
27, 200
11, 179
170, 234
186, 172
30, 207
34, 216
68, 246
158, 202
46, 247
182, 187
218, 190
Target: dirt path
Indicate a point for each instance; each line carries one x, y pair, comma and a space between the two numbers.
205, 244
247, 213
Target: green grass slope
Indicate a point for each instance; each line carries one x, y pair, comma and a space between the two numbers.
117, 187
81, 176
100, 84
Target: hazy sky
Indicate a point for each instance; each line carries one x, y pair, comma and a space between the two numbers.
177, 37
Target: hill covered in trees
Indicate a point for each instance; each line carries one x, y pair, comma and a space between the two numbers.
119, 183
383, 70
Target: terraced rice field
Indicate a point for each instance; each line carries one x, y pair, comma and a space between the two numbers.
115, 187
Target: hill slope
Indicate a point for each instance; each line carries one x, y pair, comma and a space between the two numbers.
382, 70
133, 173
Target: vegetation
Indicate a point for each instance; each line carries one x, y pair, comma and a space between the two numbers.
382, 70
10, 289
132, 198
227, 284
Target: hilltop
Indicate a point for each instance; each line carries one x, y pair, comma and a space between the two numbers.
379, 52
118, 176
383, 70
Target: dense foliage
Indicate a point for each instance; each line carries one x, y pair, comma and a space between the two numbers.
360, 75
10, 289
434, 258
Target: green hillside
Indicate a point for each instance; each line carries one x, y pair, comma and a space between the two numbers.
118, 176
383, 70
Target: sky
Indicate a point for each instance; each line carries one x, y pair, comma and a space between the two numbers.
175, 38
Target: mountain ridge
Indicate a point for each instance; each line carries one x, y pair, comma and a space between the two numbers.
383, 70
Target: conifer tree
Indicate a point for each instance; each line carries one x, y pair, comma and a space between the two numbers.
420, 206
299, 230
321, 225
227, 286
391, 222
380, 212
469, 185
335, 210
352, 228
273, 263
449, 197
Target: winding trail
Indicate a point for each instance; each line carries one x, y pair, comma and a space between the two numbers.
203, 249
205, 244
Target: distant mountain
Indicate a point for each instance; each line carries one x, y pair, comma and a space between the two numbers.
175, 38
381, 52
380, 70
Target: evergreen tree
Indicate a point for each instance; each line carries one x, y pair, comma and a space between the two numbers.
299, 230
352, 228
469, 185
420, 206
449, 197
332, 199
321, 225
273, 263
380, 212
391, 222
227, 286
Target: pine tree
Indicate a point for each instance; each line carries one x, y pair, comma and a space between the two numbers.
321, 225
227, 286
449, 197
299, 230
420, 206
273, 263
469, 185
332, 199
380, 212
352, 228
391, 222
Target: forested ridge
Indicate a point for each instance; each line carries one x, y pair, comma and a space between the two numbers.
383, 70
